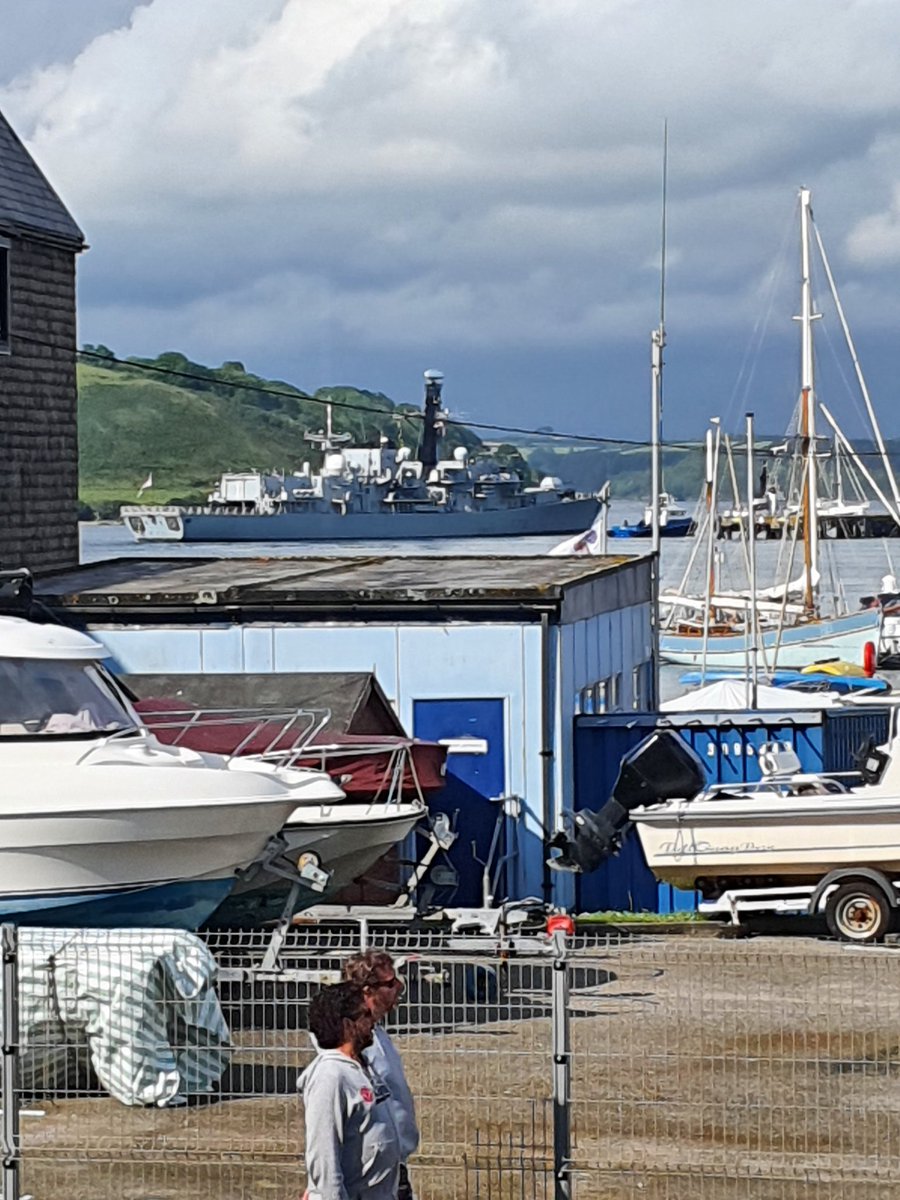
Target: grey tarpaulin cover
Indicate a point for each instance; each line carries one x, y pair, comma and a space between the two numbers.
140, 1003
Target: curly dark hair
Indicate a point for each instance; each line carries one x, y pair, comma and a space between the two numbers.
330, 1008
363, 968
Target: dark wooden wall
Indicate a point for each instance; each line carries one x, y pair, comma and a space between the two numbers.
38, 412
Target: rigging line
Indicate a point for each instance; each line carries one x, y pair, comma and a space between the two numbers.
413, 415
768, 289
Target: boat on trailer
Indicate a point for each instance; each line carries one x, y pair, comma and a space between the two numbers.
792, 842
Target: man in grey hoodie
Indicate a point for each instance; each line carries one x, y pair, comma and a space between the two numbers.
352, 1144
374, 971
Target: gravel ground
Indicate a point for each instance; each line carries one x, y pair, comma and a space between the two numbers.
759, 1069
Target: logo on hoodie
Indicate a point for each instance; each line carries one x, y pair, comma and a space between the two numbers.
367, 1095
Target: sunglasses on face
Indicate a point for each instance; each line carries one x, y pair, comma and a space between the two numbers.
393, 983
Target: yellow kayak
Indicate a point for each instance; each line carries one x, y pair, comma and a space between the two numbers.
835, 667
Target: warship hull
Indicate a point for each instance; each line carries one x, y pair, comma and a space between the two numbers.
173, 524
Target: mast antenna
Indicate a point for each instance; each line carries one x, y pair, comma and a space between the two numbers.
662, 264
657, 342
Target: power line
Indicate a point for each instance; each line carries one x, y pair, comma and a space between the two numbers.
374, 410
414, 415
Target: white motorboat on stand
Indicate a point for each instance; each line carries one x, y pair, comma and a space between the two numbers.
384, 782
102, 824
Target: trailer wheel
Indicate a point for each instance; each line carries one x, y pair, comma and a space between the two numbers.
858, 912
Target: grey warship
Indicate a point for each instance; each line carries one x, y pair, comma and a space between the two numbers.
378, 493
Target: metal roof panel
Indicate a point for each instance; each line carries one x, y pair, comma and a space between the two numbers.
370, 580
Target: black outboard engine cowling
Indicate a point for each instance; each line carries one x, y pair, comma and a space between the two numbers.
661, 767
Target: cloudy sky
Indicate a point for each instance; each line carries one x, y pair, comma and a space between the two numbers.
351, 191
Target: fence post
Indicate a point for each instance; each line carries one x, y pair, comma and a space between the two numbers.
559, 927
9, 1032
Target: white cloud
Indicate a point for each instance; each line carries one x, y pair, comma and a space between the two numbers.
455, 172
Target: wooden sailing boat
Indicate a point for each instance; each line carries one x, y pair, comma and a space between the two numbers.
788, 634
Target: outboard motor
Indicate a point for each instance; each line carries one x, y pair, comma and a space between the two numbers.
661, 767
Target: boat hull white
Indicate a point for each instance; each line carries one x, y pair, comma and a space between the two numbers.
799, 645
346, 838
132, 853
786, 838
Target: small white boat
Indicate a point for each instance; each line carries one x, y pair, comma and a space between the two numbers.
348, 838
792, 842
790, 827
102, 824
385, 780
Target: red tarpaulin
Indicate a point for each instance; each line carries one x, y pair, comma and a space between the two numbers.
363, 765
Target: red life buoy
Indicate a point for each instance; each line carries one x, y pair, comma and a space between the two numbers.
869, 658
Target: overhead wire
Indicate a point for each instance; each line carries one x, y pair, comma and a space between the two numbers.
688, 447
413, 415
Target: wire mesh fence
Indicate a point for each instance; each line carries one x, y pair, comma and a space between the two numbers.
765, 1069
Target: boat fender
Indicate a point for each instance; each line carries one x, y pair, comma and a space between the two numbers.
869, 659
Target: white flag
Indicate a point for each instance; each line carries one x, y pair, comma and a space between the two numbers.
148, 483
588, 542
591, 541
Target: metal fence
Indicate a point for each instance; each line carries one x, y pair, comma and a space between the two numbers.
605, 1068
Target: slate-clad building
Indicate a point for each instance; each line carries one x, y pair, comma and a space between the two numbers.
39, 241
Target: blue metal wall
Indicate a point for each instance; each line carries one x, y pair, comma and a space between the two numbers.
728, 745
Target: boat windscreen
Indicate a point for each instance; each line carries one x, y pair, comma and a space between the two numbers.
58, 697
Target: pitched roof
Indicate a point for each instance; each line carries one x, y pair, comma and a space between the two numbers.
28, 204
354, 699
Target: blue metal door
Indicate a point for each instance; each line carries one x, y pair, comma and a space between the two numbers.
473, 779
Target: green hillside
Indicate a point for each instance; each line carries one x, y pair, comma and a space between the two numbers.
189, 425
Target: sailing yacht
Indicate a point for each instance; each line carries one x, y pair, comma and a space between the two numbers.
791, 628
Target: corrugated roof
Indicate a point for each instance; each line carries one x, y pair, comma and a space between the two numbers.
28, 204
370, 581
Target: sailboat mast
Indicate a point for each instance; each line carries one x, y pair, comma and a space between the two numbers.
808, 406
657, 342
751, 624
713, 443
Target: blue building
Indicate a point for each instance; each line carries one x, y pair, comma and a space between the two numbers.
496, 655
